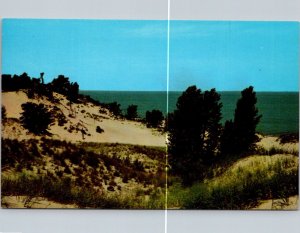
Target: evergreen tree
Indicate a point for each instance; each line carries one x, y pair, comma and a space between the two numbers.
131, 112
114, 108
213, 125
61, 85
73, 92
36, 118
193, 133
240, 135
154, 118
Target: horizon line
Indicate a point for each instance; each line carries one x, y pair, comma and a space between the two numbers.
184, 90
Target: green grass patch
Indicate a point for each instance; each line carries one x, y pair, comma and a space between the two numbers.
242, 185
64, 191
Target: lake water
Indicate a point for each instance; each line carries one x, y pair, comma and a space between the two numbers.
280, 110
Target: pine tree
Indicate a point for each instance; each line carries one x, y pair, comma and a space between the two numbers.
131, 112
36, 118
154, 118
240, 135
193, 133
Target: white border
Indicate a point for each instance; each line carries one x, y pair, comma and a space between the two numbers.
108, 221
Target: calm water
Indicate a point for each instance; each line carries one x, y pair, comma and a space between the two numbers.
280, 110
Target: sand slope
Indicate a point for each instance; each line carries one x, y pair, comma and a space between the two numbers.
79, 117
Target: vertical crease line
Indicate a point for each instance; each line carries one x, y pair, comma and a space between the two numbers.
167, 107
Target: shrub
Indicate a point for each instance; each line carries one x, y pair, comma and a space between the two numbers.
99, 129
3, 113
240, 135
114, 108
289, 138
92, 159
247, 182
36, 118
154, 118
131, 112
63, 191
138, 165
194, 132
62, 120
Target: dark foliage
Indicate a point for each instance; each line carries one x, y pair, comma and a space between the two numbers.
114, 108
289, 138
37, 87
62, 85
14, 151
16, 82
194, 132
60, 190
138, 165
99, 129
154, 118
131, 113
236, 196
3, 113
240, 135
36, 118
87, 98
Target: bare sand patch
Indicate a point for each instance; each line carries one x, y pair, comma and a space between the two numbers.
290, 203
20, 202
81, 122
269, 142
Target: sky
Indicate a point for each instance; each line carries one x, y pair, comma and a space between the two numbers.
132, 54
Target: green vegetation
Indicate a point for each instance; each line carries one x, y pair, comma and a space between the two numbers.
62, 85
194, 132
64, 191
240, 135
196, 138
114, 108
154, 118
3, 113
36, 118
99, 129
90, 175
242, 185
211, 167
37, 87
131, 113
289, 138
222, 168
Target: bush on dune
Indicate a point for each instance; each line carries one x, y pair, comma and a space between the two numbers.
65, 192
3, 113
62, 191
36, 118
239, 135
131, 113
154, 118
194, 130
245, 183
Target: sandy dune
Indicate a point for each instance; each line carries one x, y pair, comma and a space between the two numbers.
290, 203
20, 202
79, 117
269, 142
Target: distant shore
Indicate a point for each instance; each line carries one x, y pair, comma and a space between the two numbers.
274, 122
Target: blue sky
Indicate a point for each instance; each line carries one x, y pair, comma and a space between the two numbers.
132, 54
234, 55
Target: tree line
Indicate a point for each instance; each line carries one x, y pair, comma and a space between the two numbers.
37, 118
197, 138
153, 118
36, 87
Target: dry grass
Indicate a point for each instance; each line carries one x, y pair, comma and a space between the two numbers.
111, 172
242, 185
